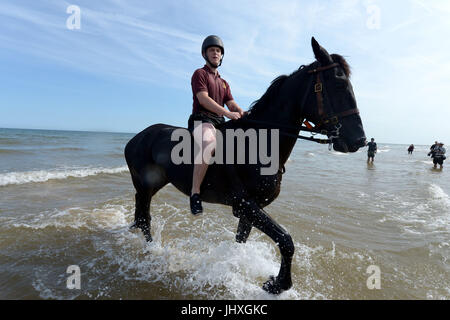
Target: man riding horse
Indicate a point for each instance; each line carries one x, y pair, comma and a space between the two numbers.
319, 93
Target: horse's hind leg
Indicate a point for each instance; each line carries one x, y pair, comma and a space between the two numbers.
142, 216
153, 181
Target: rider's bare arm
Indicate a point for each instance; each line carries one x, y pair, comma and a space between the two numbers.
234, 107
212, 106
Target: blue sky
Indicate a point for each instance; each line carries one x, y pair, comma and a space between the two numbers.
130, 63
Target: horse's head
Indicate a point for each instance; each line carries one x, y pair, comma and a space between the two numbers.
331, 103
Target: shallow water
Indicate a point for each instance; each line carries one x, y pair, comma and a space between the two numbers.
67, 199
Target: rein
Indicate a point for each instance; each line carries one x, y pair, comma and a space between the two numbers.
298, 127
325, 119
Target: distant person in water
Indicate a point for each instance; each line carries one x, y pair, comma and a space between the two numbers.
434, 146
439, 155
372, 150
411, 149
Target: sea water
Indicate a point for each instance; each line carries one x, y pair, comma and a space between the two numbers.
66, 198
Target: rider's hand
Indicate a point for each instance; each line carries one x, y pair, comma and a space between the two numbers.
243, 113
233, 115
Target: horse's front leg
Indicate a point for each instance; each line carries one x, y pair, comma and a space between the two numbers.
261, 220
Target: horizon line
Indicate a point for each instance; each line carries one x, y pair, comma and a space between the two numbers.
118, 132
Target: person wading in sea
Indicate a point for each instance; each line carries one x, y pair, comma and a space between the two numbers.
411, 149
372, 150
210, 93
431, 153
439, 155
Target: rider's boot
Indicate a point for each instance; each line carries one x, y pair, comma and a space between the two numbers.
196, 204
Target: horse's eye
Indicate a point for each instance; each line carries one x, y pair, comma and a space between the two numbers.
340, 73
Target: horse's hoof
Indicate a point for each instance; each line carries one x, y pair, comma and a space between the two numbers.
273, 286
133, 226
148, 237
241, 239
145, 230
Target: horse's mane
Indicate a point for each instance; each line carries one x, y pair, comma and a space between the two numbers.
269, 94
278, 82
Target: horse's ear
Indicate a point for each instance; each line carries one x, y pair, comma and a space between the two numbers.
320, 53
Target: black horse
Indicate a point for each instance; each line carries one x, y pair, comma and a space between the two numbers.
320, 93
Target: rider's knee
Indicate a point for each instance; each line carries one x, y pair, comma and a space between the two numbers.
209, 134
209, 140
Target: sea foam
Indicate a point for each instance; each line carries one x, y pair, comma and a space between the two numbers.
55, 174
439, 196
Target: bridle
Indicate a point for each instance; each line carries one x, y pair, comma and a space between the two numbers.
327, 119
332, 119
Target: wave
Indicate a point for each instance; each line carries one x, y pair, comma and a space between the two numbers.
8, 141
115, 155
57, 174
337, 153
425, 217
439, 196
110, 216
66, 149
40, 150
13, 151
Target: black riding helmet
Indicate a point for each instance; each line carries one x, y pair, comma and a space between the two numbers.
212, 41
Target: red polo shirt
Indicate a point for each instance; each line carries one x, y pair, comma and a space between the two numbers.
205, 79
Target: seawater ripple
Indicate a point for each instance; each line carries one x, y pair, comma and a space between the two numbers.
39, 176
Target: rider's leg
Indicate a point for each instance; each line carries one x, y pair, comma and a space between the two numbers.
208, 143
